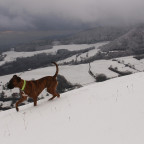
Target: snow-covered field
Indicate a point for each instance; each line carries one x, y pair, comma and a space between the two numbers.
84, 55
12, 55
137, 64
81, 56
111, 112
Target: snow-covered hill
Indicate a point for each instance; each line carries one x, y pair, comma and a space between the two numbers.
97, 34
129, 44
111, 112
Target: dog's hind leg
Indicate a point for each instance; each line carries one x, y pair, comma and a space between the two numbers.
52, 98
52, 90
58, 95
54, 93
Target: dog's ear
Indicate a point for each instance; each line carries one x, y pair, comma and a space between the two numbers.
18, 79
15, 76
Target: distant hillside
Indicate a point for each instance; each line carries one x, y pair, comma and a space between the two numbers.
34, 46
30, 39
130, 43
97, 34
89, 36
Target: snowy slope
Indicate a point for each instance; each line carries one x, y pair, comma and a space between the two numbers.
111, 112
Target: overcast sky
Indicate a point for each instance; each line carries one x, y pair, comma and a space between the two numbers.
61, 14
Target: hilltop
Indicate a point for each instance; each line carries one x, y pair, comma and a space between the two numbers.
131, 43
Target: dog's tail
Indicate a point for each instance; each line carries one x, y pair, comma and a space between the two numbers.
57, 70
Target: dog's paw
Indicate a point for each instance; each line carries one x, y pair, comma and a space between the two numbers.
50, 99
17, 109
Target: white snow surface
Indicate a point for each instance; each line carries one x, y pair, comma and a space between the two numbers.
110, 112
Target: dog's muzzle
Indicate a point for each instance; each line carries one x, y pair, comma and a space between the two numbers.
10, 86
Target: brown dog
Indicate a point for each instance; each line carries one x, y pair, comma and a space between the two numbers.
35, 87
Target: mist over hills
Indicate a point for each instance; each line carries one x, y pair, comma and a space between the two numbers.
9, 39
123, 41
131, 43
31, 41
97, 34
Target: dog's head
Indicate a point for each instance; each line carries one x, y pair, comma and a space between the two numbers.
14, 82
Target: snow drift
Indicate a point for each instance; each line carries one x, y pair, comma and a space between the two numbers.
111, 112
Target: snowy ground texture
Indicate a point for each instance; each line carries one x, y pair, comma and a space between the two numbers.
110, 112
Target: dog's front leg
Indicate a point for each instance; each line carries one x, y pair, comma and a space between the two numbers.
23, 98
35, 101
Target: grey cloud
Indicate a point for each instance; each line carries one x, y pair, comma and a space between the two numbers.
52, 14
14, 21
